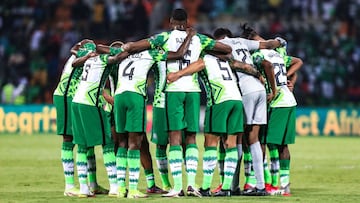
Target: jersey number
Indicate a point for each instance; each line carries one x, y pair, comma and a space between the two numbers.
280, 74
183, 63
86, 72
130, 72
227, 76
243, 51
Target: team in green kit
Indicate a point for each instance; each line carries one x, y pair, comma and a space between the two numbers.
250, 105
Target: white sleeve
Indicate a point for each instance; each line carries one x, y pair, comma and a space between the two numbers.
251, 44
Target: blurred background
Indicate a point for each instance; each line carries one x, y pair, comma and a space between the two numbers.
36, 36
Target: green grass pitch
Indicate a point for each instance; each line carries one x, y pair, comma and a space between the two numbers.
324, 169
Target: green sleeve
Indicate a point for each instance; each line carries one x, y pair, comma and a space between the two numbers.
283, 53
159, 39
104, 58
206, 42
81, 53
158, 54
115, 50
257, 58
287, 60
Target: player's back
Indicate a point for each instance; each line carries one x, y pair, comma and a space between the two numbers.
287, 97
219, 80
88, 89
132, 73
186, 83
241, 52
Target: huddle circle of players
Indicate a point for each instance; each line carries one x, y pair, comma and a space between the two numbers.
250, 106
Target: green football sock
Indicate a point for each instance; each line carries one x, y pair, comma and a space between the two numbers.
175, 161
150, 180
274, 169
192, 159
121, 165
110, 163
133, 159
91, 162
267, 174
209, 164
231, 159
81, 165
67, 159
247, 164
284, 172
162, 164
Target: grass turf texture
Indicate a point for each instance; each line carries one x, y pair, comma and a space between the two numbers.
324, 169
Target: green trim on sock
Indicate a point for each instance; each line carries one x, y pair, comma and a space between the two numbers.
150, 180
229, 167
175, 162
209, 164
133, 159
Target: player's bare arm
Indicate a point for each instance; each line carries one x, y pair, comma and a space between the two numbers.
295, 65
245, 68
189, 70
137, 46
118, 57
108, 98
79, 62
269, 72
272, 43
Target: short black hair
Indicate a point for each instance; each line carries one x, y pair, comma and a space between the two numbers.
179, 14
248, 32
222, 32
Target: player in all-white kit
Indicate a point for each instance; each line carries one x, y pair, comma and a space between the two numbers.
254, 100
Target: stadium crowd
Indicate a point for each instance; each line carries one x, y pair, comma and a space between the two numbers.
35, 36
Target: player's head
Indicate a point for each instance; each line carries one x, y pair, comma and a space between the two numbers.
178, 20
221, 33
248, 32
116, 44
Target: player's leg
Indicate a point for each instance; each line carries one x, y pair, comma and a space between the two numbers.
231, 159
250, 183
257, 162
192, 116
122, 143
108, 151
146, 162
284, 153
220, 159
67, 159
284, 156
174, 118
209, 163
159, 136
133, 159
233, 126
235, 188
267, 174
121, 162
81, 160
64, 128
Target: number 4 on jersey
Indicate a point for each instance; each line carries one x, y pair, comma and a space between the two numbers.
130, 72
